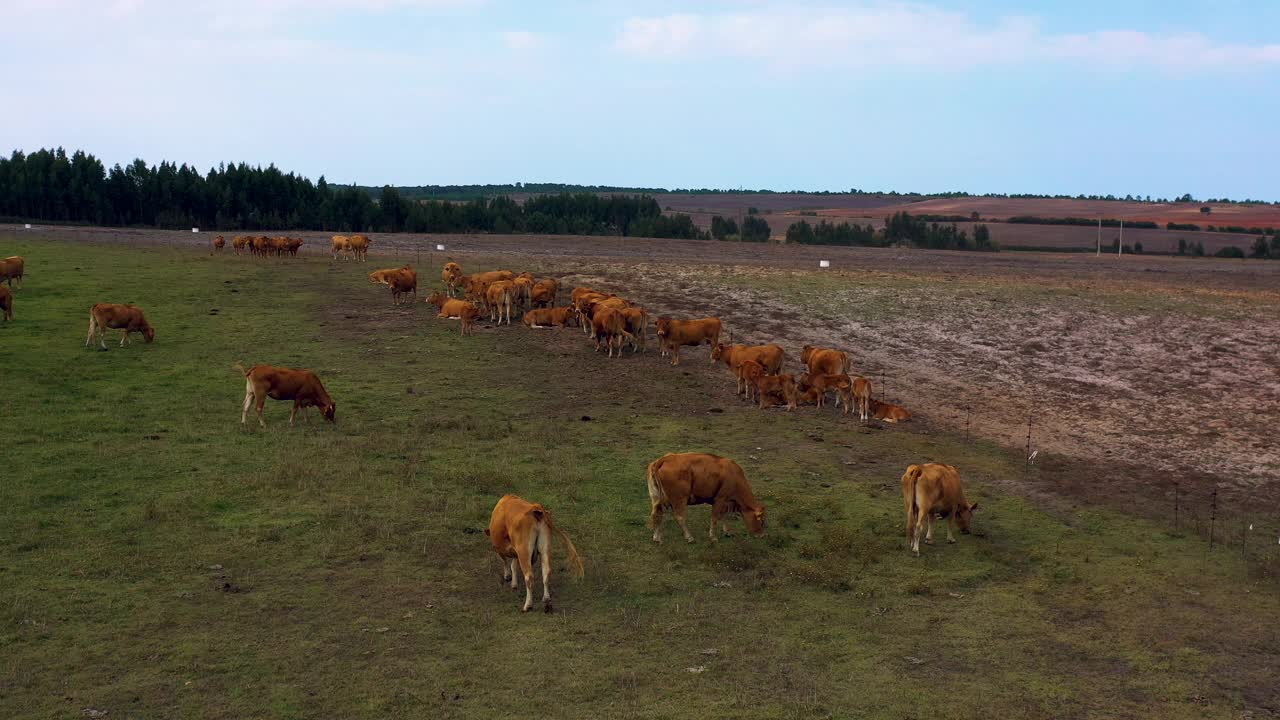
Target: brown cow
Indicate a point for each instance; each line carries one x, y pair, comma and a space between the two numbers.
280, 383
12, 268
293, 246
452, 308
934, 488
379, 277
544, 293
889, 413
449, 275
403, 282
861, 397
117, 317
523, 290
238, 243
677, 480
6, 303
821, 361
816, 387
521, 533
359, 247
674, 334
217, 244
499, 297
782, 385
770, 357
609, 326
637, 323
340, 245
747, 373
549, 317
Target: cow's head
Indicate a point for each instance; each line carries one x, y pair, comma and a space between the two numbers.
436, 298
149, 333
663, 326
330, 411
754, 518
965, 516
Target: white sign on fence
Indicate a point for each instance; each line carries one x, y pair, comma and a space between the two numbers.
28, 226
824, 263
195, 229
439, 247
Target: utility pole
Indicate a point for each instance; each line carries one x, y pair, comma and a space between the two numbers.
1099, 236
1120, 245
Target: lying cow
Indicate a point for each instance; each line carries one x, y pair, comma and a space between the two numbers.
520, 532
549, 317
889, 413
770, 357
784, 386
128, 318
677, 480
6, 303
449, 307
279, 383
823, 361
12, 268
675, 334
934, 488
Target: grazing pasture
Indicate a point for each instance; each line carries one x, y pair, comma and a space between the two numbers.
159, 560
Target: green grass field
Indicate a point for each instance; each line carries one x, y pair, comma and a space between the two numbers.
159, 560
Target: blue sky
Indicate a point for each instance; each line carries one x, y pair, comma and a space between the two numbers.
1145, 97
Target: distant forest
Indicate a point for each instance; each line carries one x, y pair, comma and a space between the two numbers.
51, 186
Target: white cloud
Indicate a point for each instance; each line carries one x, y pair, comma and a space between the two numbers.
520, 40
906, 34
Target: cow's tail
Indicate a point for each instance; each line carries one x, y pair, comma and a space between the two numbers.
844, 362
909, 480
575, 559
240, 366
656, 494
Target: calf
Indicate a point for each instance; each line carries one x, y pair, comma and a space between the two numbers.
889, 413
677, 480
453, 308
520, 532
6, 303
279, 383
934, 488
782, 385
609, 326
549, 317
674, 334
117, 317
861, 396
747, 374
499, 296
12, 268
817, 387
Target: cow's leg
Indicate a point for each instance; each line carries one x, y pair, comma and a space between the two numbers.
260, 400
921, 518
523, 554
544, 549
509, 569
248, 398
677, 509
88, 339
293, 413
675, 355
655, 519
951, 521
124, 337
927, 517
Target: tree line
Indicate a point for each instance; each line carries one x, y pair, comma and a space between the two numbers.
52, 186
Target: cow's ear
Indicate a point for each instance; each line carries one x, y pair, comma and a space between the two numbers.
486, 531
973, 507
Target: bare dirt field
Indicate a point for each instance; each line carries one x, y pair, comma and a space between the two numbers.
1138, 372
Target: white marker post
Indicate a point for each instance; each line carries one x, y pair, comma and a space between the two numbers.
824, 263
195, 230
27, 227
439, 247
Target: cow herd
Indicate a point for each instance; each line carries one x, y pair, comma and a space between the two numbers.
521, 532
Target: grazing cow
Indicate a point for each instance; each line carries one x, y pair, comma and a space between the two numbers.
117, 317
6, 303
238, 243
817, 386
452, 308
449, 275
280, 383
544, 293
549, 317
821, 361
889, 413
217, 244
637, 323
770, 357
934, 488
403, 282
674, 334
781, 385
499, 297
521, 534
747, 374
677, 480
609, 326
12, 268
861, 396
340, 245
359, 247
293, 245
